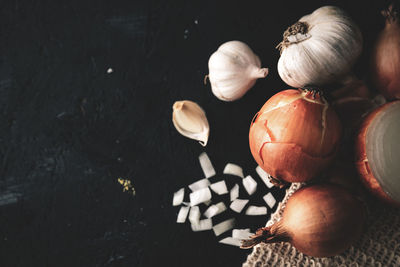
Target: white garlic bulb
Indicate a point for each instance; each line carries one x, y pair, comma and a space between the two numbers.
190, 120
233, 70
320, 48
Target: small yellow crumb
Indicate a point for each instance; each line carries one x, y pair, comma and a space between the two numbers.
127, 186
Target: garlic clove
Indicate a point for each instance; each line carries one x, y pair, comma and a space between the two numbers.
233, 70
190, 120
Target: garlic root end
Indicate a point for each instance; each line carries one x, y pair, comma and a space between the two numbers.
260, 73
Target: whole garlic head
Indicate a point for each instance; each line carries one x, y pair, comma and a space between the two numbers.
319, 49
233, 70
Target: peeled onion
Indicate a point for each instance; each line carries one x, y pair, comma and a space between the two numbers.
295, 135
378, 152
319, 220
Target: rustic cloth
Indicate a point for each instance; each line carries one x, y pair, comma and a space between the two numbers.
379, 245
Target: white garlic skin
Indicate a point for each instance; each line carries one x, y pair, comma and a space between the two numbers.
325, 53
233, 70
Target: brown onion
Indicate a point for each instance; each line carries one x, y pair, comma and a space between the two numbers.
295, 135
378, 152
319, 220
385, 67
342, 172
351, 102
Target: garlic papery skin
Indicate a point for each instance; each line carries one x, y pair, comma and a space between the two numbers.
319, 49
233, 70
190, 120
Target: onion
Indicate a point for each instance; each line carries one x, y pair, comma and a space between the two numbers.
249, 184
320, 220
351, 102
295, 135
238, 205
378, 152
385, 61
234, 193
233, 169
270, 200
223, 226
219, 188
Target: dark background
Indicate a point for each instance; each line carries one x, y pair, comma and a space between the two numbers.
68, 129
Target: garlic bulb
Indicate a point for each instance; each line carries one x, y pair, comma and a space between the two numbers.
233, 70
319, 49
190, 120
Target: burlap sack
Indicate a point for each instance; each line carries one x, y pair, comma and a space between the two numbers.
379, 245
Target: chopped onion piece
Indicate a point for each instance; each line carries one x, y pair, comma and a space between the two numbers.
238, 205
234, 192
194, 214
215, 210
202, 225
183, 212
219, 187
223, 226
200, 184
255, 210
208, 202
231, 241
200, 196
233, 169
269, 199
206, 165
250, 185
186, 203
264, 177
178, 197
241, 233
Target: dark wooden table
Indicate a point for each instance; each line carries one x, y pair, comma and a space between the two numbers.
69, 129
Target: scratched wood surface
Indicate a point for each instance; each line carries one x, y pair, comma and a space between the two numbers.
86, 90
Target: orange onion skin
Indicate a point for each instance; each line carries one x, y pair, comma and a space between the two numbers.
361, 160
338, 226
320, 220
385, 60
294, 137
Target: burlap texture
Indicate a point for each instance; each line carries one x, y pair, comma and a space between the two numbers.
379, 245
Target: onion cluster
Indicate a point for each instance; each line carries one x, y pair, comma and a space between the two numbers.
297, 133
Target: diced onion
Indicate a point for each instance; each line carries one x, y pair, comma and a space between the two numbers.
206, 165
219, 187
250, 184
264, 177
183, 212
194, 214
231, 241
200, 196
178, 197
233, 169
215, 210
200, 184
202, 225
241, 233
223, 226
270, 200
255, 210
234, 192
238, 204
